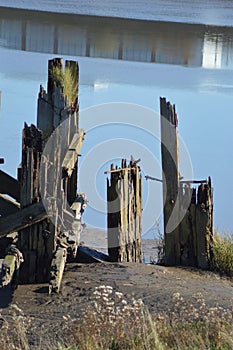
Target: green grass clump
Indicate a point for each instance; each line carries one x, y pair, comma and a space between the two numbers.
223, 254
66, 80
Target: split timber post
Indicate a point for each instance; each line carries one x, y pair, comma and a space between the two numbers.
170, 166
124, 196
189, 242
46, 245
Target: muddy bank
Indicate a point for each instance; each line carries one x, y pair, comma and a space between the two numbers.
155, 285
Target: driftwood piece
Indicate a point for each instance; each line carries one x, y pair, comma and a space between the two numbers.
10, 265
57, 269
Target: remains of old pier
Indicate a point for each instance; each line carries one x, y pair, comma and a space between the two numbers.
41, 210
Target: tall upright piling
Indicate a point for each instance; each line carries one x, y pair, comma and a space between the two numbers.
188, 205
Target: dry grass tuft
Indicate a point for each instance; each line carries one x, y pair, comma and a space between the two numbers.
66, 80
223, 254
113, 323
13, 330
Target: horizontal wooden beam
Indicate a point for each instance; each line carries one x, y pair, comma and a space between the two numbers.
9, 185
147, 177
72, 154
22, 219
193, 181
117, 170
181, 181
8, 206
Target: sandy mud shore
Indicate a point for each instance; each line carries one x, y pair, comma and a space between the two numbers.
155, 285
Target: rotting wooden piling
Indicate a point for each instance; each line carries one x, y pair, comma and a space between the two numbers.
124, 195
189, 243
170, 166
46, 214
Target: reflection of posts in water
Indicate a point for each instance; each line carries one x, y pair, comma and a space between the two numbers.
124, 195
189, 241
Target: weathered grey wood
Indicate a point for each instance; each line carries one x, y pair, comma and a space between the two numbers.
116, 170
38, 238
124, 213
113, 217
57, 269
9, 185
23, 218
170, 166
86, 255
44, 114
138, 209
190, 243
204, 225
202, 221
31, 270
10, 265
70, 159
8, 269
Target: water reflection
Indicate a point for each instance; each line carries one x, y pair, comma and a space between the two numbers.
122, 39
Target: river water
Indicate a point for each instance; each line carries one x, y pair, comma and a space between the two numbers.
131, 61
214, 12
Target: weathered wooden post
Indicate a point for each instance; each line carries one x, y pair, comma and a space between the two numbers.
32, 241
48, 213
189, 235
50, 174
170, 167
124, 195
204, 224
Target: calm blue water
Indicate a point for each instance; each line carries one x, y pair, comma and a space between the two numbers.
200, 86
215, 12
